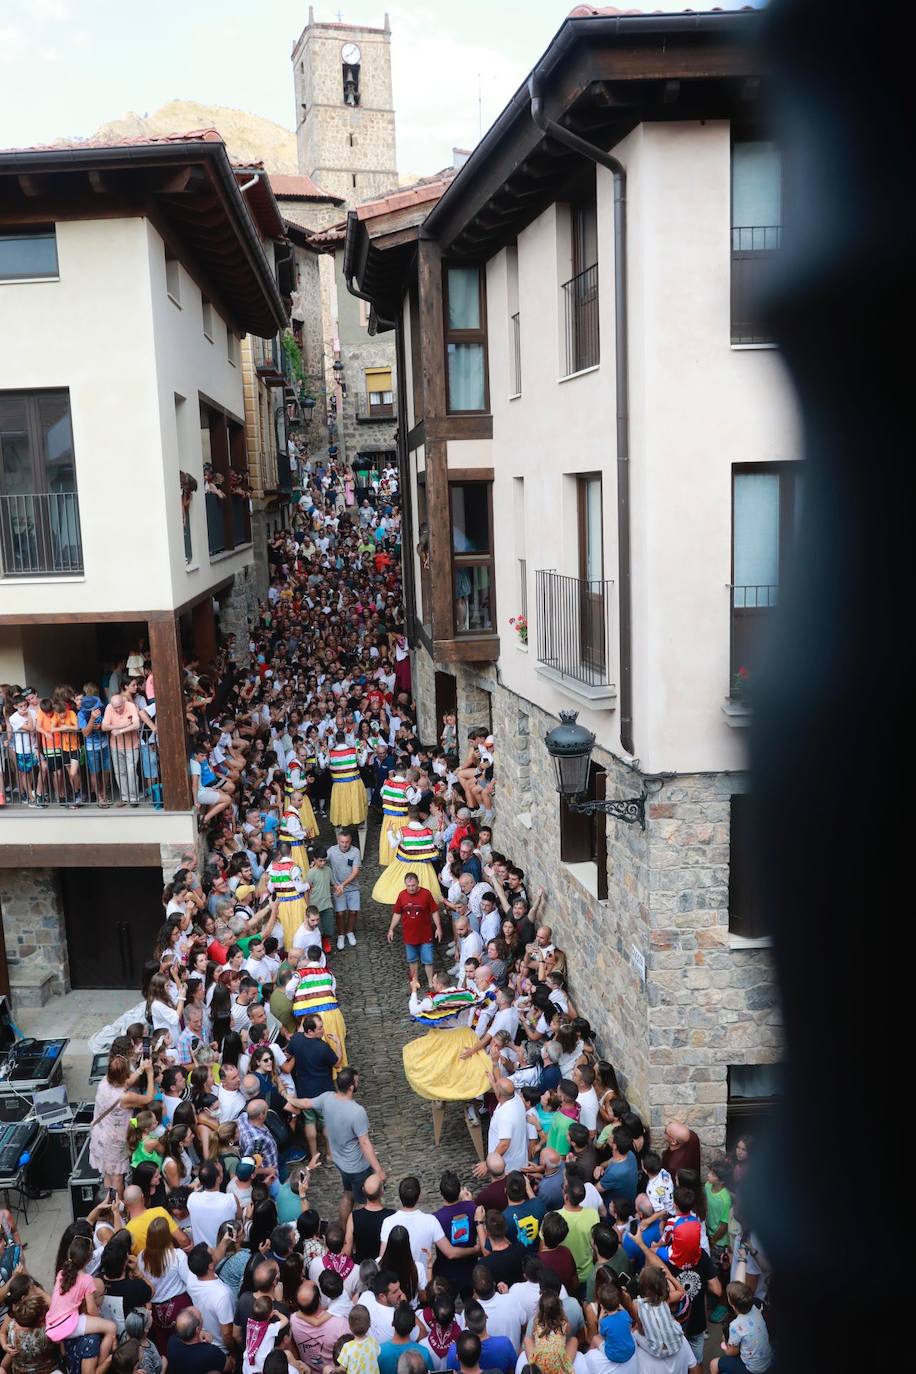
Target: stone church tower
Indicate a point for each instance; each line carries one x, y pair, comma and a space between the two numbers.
345, 109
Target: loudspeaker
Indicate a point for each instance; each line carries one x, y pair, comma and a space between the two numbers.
52, 1166
85, 1183
13, 1108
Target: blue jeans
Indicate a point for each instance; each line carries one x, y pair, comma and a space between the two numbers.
419, 953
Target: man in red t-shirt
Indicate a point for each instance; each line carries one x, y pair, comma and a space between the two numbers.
418, 912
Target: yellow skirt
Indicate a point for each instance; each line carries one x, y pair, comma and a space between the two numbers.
388, 837
349, 804
307, 817
299, 855
390, 884
434, 1070
291, 915
333, 1021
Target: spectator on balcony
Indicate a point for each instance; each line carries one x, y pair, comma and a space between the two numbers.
90, 710
116, 678
22, 730
204, 783
60, 739
121, 722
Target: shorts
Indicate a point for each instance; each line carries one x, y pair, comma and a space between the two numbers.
423, 953
311, 1116
79, 1348
732, 1364
98, 760
326, 919
353, 1183
348, 900
209, 796
57, 762
26, 762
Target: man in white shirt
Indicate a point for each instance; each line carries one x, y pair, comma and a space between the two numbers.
425, 1231
231, 1105
238, 1017
584, 1078
468, 944
505, 1314
474, 892
501, 1016
508, 1129
211, 1296
208, 1208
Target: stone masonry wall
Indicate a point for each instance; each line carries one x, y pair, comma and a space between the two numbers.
701, 1005
31, 906
474, 691
237, 607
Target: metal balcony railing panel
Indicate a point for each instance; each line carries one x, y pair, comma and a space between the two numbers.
580, 318
40, 534
574, 626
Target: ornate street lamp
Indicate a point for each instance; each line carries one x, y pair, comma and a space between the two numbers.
570, 746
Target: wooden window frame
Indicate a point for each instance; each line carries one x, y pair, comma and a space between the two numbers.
425, 608
583, 838
466, 336
472, 560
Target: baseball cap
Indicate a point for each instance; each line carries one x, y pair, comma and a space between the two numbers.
244, 1169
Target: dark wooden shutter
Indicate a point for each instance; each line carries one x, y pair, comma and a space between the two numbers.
744, 915
599, 832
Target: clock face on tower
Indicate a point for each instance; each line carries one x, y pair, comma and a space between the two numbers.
350, 54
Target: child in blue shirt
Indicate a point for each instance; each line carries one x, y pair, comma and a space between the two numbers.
615, 1325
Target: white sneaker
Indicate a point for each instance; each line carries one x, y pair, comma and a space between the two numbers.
340, 942
471, 1116
351, 938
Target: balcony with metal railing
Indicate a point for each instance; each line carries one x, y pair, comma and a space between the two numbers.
63, 770
750, 608
573, 635
753, 249
40, 535
582, 347
228, 522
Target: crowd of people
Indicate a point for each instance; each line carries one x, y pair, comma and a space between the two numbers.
577, 1245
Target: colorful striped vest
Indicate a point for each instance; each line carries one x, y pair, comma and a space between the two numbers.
447, 1008
281, 879
416, 845
344, 766
394, 797
295, 777
291, 831
315, 992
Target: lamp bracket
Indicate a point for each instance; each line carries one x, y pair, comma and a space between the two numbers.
630, 810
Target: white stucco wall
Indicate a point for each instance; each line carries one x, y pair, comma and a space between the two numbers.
107, 332
697, 407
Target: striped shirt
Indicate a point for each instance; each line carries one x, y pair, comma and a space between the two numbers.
416, 845
443, 1009
315, 992
291, 831
284, 879
344, 765
394, 797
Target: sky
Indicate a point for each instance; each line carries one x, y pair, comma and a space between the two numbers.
67, 66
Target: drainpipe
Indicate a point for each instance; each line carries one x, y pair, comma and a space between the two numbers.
622, 362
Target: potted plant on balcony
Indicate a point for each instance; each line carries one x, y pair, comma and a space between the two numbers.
520, 625
742, 683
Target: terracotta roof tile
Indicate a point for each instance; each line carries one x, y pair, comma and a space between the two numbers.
132, 141
298, 188
421, 192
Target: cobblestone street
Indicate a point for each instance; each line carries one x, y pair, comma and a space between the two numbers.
373, 991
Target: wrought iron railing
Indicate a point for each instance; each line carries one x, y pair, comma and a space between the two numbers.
751, 604
40, 534
574, 626
515, 379
753, 248
580, 314
228, 521
65, 769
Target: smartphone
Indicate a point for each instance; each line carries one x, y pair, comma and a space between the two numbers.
112, 1194
15, 1255
323, 1227
145, 1048
230, 1231
634, 1226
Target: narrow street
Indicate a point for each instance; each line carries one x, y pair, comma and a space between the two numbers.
373, 991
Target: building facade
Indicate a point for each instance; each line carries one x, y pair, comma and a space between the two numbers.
599, 438
129, 277
345, 131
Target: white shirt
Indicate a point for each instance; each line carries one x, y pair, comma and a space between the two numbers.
489, 924
214, 1298
505, 1317
504, 1019
208, 1210
165, 1017
471, 947
305, 937
231, 1106
424, 1230
588, 1109
350, 1283
509, 1122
